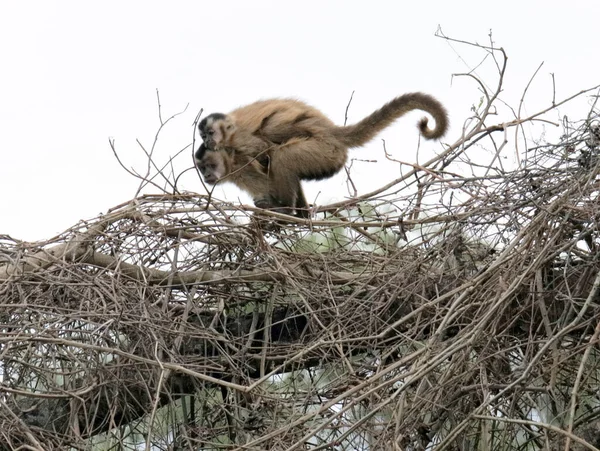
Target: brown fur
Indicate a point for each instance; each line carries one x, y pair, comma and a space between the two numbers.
268, 146
254, 177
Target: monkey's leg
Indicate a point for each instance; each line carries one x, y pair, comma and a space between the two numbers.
303, 159
270, 188
309, 158
302, 207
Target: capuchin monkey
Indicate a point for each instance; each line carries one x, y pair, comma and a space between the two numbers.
266, 148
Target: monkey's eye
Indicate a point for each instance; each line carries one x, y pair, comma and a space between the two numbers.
229, 127
211, 132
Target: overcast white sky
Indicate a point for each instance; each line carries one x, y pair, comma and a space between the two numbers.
74, 73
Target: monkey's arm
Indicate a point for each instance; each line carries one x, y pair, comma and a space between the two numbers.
277, 130
302, 207
283, 134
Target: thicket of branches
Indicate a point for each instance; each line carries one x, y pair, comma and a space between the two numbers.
451, 308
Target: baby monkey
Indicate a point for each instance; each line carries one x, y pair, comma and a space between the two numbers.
266, 148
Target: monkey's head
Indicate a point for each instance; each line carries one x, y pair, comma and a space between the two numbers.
216, 130
211, 164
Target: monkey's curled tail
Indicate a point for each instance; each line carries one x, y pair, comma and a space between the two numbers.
365, 130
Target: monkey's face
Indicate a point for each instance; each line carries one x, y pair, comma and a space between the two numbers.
211, 164
216, 130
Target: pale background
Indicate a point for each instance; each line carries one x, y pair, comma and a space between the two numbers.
74, 73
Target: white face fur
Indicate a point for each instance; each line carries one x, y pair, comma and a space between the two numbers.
215, 130
211, 166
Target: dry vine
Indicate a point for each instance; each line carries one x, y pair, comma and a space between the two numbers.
441, 310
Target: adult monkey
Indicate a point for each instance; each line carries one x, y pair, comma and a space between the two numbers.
267, 147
